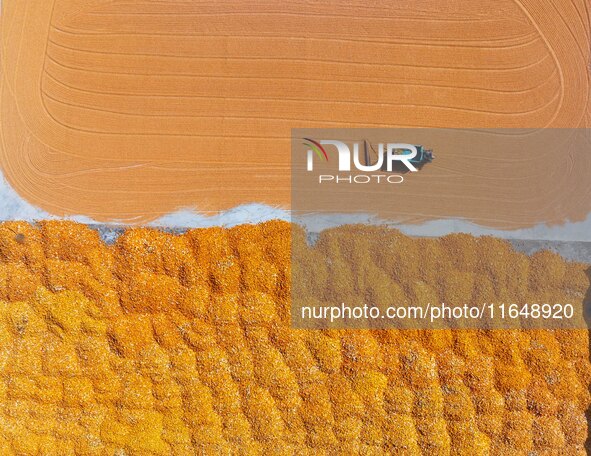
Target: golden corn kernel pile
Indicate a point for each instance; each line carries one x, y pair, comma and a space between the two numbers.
180, 345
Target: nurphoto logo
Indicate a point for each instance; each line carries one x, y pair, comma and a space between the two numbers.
389, 157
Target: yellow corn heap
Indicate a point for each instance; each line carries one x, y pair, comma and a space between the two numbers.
180, 344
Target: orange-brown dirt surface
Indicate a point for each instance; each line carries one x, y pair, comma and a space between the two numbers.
180, 344
131, 109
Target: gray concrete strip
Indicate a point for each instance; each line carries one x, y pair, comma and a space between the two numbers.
579, 251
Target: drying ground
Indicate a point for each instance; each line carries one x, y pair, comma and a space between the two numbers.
128, 111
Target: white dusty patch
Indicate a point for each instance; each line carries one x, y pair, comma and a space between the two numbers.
13, 207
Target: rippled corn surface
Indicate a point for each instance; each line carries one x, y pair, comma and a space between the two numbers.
180, 345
